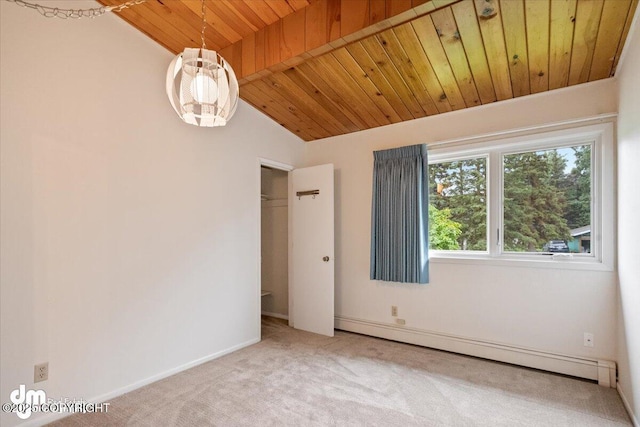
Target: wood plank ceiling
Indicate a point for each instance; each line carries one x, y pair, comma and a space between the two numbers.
322, 68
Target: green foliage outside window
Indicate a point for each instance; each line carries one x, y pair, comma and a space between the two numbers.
443, 231
459, 187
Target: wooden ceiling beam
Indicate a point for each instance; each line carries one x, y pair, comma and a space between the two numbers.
321, 27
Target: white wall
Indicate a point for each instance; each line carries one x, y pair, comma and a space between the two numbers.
129, 239
536, 308
629, 223
275, 242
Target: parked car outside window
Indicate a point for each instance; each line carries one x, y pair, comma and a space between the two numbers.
556, 246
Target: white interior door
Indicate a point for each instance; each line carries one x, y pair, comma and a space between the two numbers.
312, 271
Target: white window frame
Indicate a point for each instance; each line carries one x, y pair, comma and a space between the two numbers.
600, 135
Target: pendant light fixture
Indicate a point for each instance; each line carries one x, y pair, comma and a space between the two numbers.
201, 85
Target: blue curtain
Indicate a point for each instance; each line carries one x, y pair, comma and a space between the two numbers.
400, 215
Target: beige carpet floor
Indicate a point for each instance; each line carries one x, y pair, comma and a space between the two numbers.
294, 378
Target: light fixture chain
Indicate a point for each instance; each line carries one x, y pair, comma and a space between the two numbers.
204, 24
56, 12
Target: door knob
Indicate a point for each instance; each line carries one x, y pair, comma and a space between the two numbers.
325, 258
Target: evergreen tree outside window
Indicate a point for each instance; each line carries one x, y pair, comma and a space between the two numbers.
547, 195
458, 205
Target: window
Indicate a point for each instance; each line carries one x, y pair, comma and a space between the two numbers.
458, 205
537, 198
547, 200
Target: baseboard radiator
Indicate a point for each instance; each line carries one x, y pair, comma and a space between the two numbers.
603, 371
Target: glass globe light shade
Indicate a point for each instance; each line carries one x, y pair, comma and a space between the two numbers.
202, 87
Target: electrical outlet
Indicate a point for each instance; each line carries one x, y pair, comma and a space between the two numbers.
41, 372
588, 339
394, 310
400, 321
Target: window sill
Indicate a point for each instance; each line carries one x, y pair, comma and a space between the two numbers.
525, 261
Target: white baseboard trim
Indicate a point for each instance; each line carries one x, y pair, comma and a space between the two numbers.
604, 371
627, 406
138, 384
276, 315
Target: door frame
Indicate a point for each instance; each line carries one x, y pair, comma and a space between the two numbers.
286, 168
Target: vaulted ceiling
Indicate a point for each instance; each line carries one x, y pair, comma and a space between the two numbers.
328, 67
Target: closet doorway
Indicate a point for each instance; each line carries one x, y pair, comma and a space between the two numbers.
274, 240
